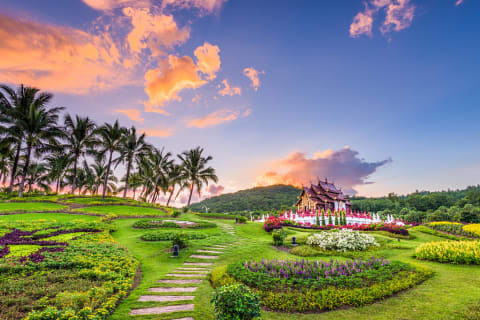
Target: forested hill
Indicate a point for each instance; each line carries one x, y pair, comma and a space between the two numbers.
255, 199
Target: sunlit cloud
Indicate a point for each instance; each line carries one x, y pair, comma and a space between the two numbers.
204, 6
214, 119
155, 132
459, 2
113, 4
132, 114
175, 74
196, 98
229, 91
399, 15
343, 167
253, 75
246, 113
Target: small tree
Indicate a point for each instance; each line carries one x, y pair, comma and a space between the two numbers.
336, 218
323, 218
329, 212
236, 302
317, 221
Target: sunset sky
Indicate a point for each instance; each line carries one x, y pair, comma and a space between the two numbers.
378, 95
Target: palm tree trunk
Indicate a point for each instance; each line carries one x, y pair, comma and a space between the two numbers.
15, 165
74, 175
170, 196
58, 186
190, 196
134, 190
106, 175
129, 164
25, 168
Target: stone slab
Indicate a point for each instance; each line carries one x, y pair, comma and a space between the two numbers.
164, 298
161, 310
197, 256
203, 264
186, 275
208, 251
180, 281
191, 271
173, 289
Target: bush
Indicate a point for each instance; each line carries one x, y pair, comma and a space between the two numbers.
180, 240
169, 224
170, 235
472, 228
185, 209
456, 252
236, 302
342, 240
176, 213
242, 219
279, 237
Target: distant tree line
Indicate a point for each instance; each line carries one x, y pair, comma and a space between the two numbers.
40, 151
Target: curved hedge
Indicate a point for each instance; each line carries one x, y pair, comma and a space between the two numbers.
170, 235
312, 286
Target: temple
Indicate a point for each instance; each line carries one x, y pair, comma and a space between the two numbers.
325, 196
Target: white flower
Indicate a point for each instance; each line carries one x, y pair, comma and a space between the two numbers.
342, 240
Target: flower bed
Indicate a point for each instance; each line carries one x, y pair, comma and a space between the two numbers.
308, 286
456, 252
81, 278
472, 228
342, 240
170, 235
277, 223
453, 228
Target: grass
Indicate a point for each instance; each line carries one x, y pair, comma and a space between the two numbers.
58, 217
124, 211
7, 207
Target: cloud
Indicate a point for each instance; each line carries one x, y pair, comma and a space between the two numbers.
132, 114
196, 98
459, 2
215, 190
343, 167
153, 132
208, 59
59, 58
208, 192
214, 118
204, 6
178, 73
104, 5
246, 113
253, 75
399, 15
153, 31
229, 91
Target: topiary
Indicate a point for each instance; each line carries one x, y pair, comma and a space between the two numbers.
236, 302
176, 213
179, 240
242, 219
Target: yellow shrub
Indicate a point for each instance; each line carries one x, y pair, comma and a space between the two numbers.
441, 223
458, 252
473, 228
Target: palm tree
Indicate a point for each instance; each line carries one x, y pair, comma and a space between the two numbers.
15, 106
41, 132
80, 138
6, 156
110, 138
37, 175
132, 149
153, 168
174, 177
57, 164
196, 171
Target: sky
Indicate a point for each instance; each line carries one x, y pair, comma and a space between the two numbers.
378, 96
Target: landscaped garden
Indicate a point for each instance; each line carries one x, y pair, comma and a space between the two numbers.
84, 263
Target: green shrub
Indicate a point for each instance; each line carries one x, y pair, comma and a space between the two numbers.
179, 240
236, 302
217, 216
202, 225
169, 235
176, 213
279, 236
185, 209
241, 219
169, 224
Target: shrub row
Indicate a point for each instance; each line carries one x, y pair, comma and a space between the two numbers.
167, 236
456, 252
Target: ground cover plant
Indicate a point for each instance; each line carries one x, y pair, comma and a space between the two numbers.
453, 228
342, 240
8, 207
307, 286
125, 211
61, 270
457, 252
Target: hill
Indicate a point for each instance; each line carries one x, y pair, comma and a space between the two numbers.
255, 199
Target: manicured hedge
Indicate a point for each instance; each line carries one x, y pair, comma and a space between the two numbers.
170, 235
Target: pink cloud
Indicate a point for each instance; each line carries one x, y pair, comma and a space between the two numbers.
253, 75
204, 6
154, 132
229, 91
132, 114
459, 2
214, 119
399, 16
362, 24
343, 167
215, 190
208, 59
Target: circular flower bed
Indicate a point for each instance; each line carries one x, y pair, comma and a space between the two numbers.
457, 252
306, 286
342, 240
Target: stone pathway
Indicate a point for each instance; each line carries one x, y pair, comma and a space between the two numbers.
185, 278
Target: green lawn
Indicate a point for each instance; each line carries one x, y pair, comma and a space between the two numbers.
58, 217
6, 207
124, 211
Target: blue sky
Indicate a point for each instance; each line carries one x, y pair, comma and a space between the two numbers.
408, 95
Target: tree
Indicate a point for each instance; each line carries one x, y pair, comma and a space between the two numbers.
37, 175
41, 133
80, 138
153, 169
110, 138
196, 171
175, 177
131, 149
15, 109
57, 164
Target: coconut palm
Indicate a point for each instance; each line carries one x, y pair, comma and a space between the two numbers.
153, 169
57, 164
41, 133
80, 138
175, 177
6, 157
132, 148
196, 171
37, 175
15, 107
110, 139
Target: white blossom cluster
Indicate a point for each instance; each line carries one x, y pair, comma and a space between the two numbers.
342, 240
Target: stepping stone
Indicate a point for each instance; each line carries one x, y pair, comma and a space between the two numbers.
209, 251
174, 289
198, 264
180, 281
164, 298
203, 257
186, 275
187, 318
192, 271
160, 310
